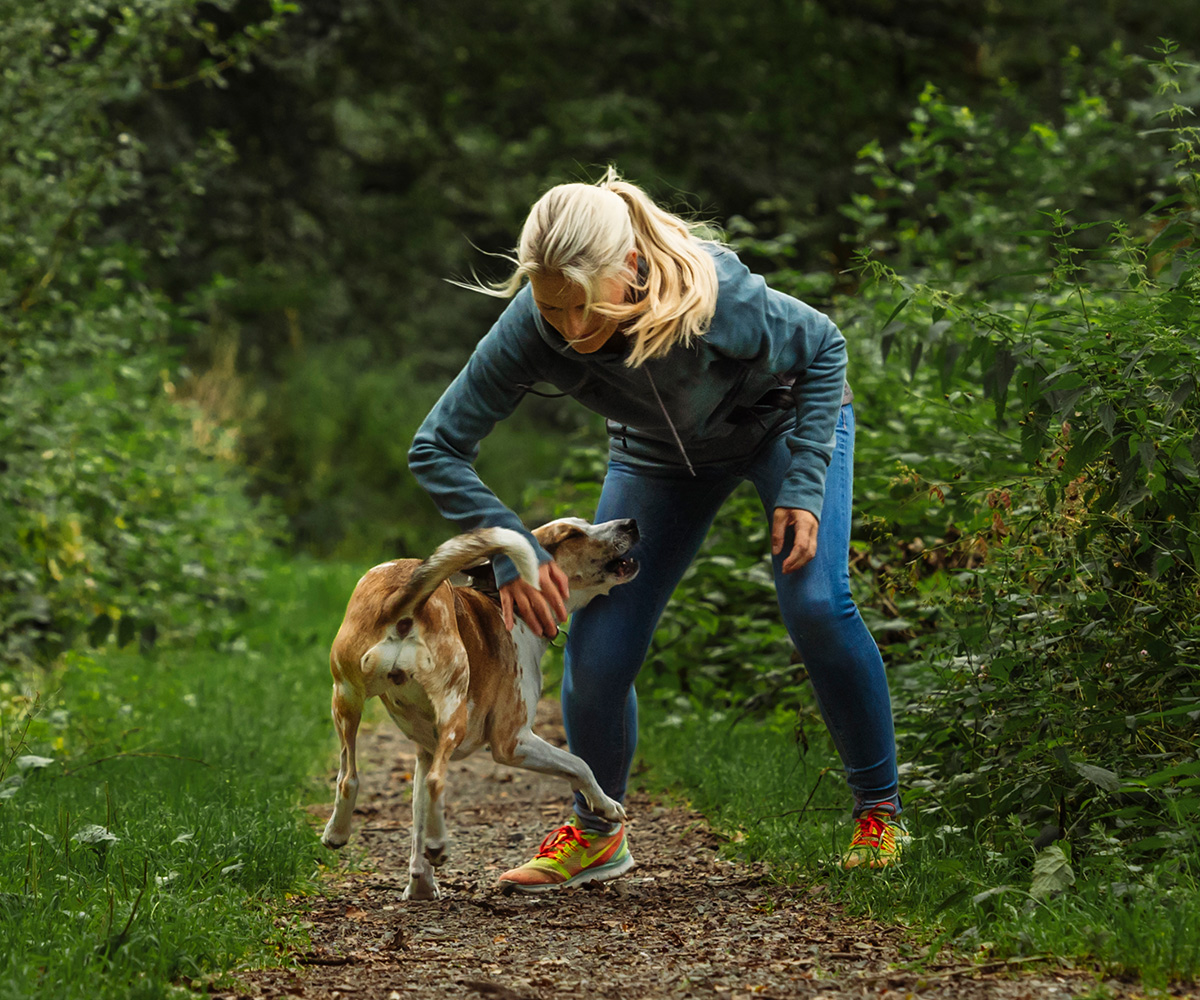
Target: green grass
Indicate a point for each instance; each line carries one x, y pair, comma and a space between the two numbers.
150, 815
790, 808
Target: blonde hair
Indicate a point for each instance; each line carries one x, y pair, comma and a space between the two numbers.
585, 233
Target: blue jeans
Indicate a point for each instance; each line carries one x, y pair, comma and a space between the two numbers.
610, 637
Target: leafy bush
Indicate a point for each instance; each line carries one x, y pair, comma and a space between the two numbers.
1064, 666
124, 514
127, 513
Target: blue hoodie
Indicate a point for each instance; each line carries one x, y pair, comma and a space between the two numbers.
689, 409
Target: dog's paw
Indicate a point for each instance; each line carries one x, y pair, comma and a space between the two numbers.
334, 839
610, 810
422, 889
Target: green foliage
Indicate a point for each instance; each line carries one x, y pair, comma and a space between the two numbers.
962, 193
124, 513
126, 516
381, 146
348, 488
148, 805
1066, 652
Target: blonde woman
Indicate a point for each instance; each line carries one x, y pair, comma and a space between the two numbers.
707, 378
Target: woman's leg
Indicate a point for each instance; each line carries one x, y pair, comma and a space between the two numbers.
842, 659
609, 638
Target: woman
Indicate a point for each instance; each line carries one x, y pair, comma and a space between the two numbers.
707, 377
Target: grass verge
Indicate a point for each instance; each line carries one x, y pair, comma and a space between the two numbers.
149, 804
779, 804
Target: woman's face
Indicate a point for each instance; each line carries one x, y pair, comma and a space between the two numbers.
563, 304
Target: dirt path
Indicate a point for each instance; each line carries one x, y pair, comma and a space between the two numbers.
684, 923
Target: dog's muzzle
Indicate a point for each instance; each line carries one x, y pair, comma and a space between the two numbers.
621, 568
626, 536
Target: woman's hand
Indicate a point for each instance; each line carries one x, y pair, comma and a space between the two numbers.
804, 541
540, 610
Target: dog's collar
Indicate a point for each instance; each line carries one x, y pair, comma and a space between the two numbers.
483, 580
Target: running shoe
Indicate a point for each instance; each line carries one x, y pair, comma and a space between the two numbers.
571, 855
878, 840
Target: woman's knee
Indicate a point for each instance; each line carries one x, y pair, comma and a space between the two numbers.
819, 617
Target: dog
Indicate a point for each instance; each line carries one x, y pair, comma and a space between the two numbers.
453, 678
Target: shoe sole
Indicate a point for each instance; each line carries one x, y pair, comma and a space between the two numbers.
871, 863
601, 873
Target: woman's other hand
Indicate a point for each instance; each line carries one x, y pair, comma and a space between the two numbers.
804, 538
540, 610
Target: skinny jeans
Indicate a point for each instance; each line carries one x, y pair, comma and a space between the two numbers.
609, 638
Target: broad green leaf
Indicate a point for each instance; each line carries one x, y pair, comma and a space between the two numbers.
1158, 778
914, 361
987, 894
896, 312
1099, 776
96, 835
1051, 873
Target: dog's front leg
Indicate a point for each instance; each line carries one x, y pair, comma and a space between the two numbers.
421, 883
347, 712
534, 754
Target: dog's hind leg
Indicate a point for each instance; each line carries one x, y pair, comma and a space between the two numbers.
347, 712
450, 736
421, 882
533, 753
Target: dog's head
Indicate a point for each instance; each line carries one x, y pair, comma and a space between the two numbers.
594, 556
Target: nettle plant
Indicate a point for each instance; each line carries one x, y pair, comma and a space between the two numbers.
1064, 680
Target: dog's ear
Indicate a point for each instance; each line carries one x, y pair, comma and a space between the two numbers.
483, 577
552, 535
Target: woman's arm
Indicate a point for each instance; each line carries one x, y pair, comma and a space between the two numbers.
443, 454
780, 335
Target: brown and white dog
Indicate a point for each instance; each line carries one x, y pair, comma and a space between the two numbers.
453, 678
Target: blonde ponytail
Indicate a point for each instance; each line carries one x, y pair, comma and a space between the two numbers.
585, 232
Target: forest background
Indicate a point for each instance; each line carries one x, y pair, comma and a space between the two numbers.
225, 234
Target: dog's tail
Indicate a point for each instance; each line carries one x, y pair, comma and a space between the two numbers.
453, 556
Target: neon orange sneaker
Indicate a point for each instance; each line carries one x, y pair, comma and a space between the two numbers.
878, 840
571, 855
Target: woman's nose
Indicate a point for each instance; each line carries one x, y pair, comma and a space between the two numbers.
574, 327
